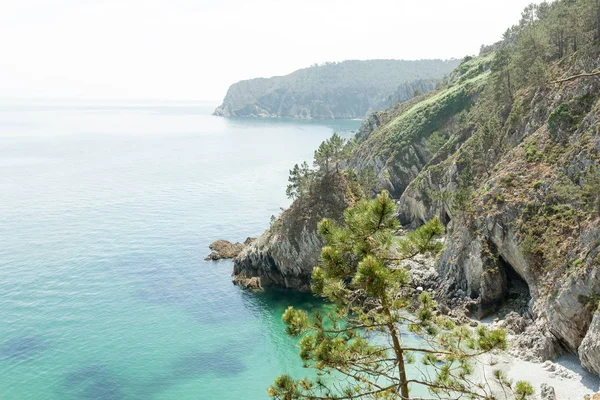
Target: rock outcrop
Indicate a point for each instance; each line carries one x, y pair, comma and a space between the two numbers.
397, 143
334, 90
286, 253
222, 249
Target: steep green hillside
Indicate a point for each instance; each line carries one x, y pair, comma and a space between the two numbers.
347, 89
399, 149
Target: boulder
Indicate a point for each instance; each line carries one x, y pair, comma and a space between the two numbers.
547, 392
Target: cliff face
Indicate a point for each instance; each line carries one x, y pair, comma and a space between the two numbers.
397, 143
520, 195
334, 90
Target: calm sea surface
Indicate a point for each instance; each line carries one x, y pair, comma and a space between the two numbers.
106, 212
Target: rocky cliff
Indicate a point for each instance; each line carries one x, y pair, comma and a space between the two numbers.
520, 197
507, 153
334, 90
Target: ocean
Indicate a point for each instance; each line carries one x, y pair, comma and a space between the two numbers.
106, 213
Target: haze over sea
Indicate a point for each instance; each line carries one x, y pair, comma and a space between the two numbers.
106, 212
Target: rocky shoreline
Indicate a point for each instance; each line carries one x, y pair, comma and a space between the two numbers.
533, 353
532, 346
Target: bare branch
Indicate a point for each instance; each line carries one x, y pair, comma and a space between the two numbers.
572, 78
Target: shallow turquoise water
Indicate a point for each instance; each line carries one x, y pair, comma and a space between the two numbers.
106, 212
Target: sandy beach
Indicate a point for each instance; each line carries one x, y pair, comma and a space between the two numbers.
565, 374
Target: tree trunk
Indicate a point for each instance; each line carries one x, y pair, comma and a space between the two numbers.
509, 87
598, 20
399, 355
561, 51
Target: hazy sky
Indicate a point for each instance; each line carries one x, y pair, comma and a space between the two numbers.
193, 49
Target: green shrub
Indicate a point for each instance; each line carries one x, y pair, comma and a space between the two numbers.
523, 390
531, 154
561, 119
508, 179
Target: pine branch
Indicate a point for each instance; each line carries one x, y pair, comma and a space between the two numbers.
352, 328
449, 388
354, 396
572, 78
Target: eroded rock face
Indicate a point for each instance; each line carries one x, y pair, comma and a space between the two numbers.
274, 260
570, 312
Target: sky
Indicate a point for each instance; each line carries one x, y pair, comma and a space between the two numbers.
194, 49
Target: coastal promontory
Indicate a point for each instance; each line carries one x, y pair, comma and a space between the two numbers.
346, 89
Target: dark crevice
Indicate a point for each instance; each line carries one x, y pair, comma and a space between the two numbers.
517, 294
445, 218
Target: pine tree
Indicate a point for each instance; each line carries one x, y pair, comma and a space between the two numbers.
597, 34
300, 179
337, 144
330, 153
360, 273
323, 157
501, 66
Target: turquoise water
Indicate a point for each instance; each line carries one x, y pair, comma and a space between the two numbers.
106, 212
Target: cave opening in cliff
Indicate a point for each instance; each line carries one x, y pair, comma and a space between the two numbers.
445, 217
517, 290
